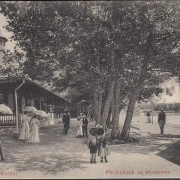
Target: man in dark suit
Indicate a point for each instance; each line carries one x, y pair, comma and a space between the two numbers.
84, 126
162, 120
66, 121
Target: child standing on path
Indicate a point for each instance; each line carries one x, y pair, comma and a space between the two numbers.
92, 144
103, 148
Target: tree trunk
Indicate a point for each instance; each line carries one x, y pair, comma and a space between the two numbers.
110, 92
127, 124
115, 133
107, 104
109, 115
98, 103
134, 95
118, 114
116, 105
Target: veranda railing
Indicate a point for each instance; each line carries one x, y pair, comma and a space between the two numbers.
8, 120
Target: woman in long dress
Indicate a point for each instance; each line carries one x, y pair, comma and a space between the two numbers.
24, 133
80, 131
34, 130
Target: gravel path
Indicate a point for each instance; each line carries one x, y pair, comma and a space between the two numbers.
64, 156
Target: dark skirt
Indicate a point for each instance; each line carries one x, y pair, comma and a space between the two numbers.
93, 149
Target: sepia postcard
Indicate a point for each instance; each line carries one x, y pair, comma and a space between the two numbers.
89, 89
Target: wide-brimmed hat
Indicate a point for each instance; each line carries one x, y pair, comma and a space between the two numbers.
100, 129
93, 131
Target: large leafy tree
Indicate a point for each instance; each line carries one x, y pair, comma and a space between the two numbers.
160, 22
111, 51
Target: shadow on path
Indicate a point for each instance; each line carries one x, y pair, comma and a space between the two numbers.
51, 164
165, 146
171, 153
55, 153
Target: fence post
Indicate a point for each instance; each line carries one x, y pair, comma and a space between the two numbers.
1, 152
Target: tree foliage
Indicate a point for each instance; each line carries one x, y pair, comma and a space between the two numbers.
115, 52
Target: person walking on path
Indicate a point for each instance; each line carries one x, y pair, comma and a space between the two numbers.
85, 124
162, 121
34, 130
66, 121
25, 131
148, 120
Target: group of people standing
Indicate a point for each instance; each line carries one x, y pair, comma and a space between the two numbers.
97, 141
29, 131
82, 126
97, 144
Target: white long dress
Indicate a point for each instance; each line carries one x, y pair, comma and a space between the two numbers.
34, 131
24, 133
80, 131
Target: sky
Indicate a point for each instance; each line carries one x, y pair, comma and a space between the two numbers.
3, 22
175, 98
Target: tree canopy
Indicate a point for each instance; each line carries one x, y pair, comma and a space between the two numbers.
112, 51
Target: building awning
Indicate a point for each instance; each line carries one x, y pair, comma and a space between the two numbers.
27, 81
